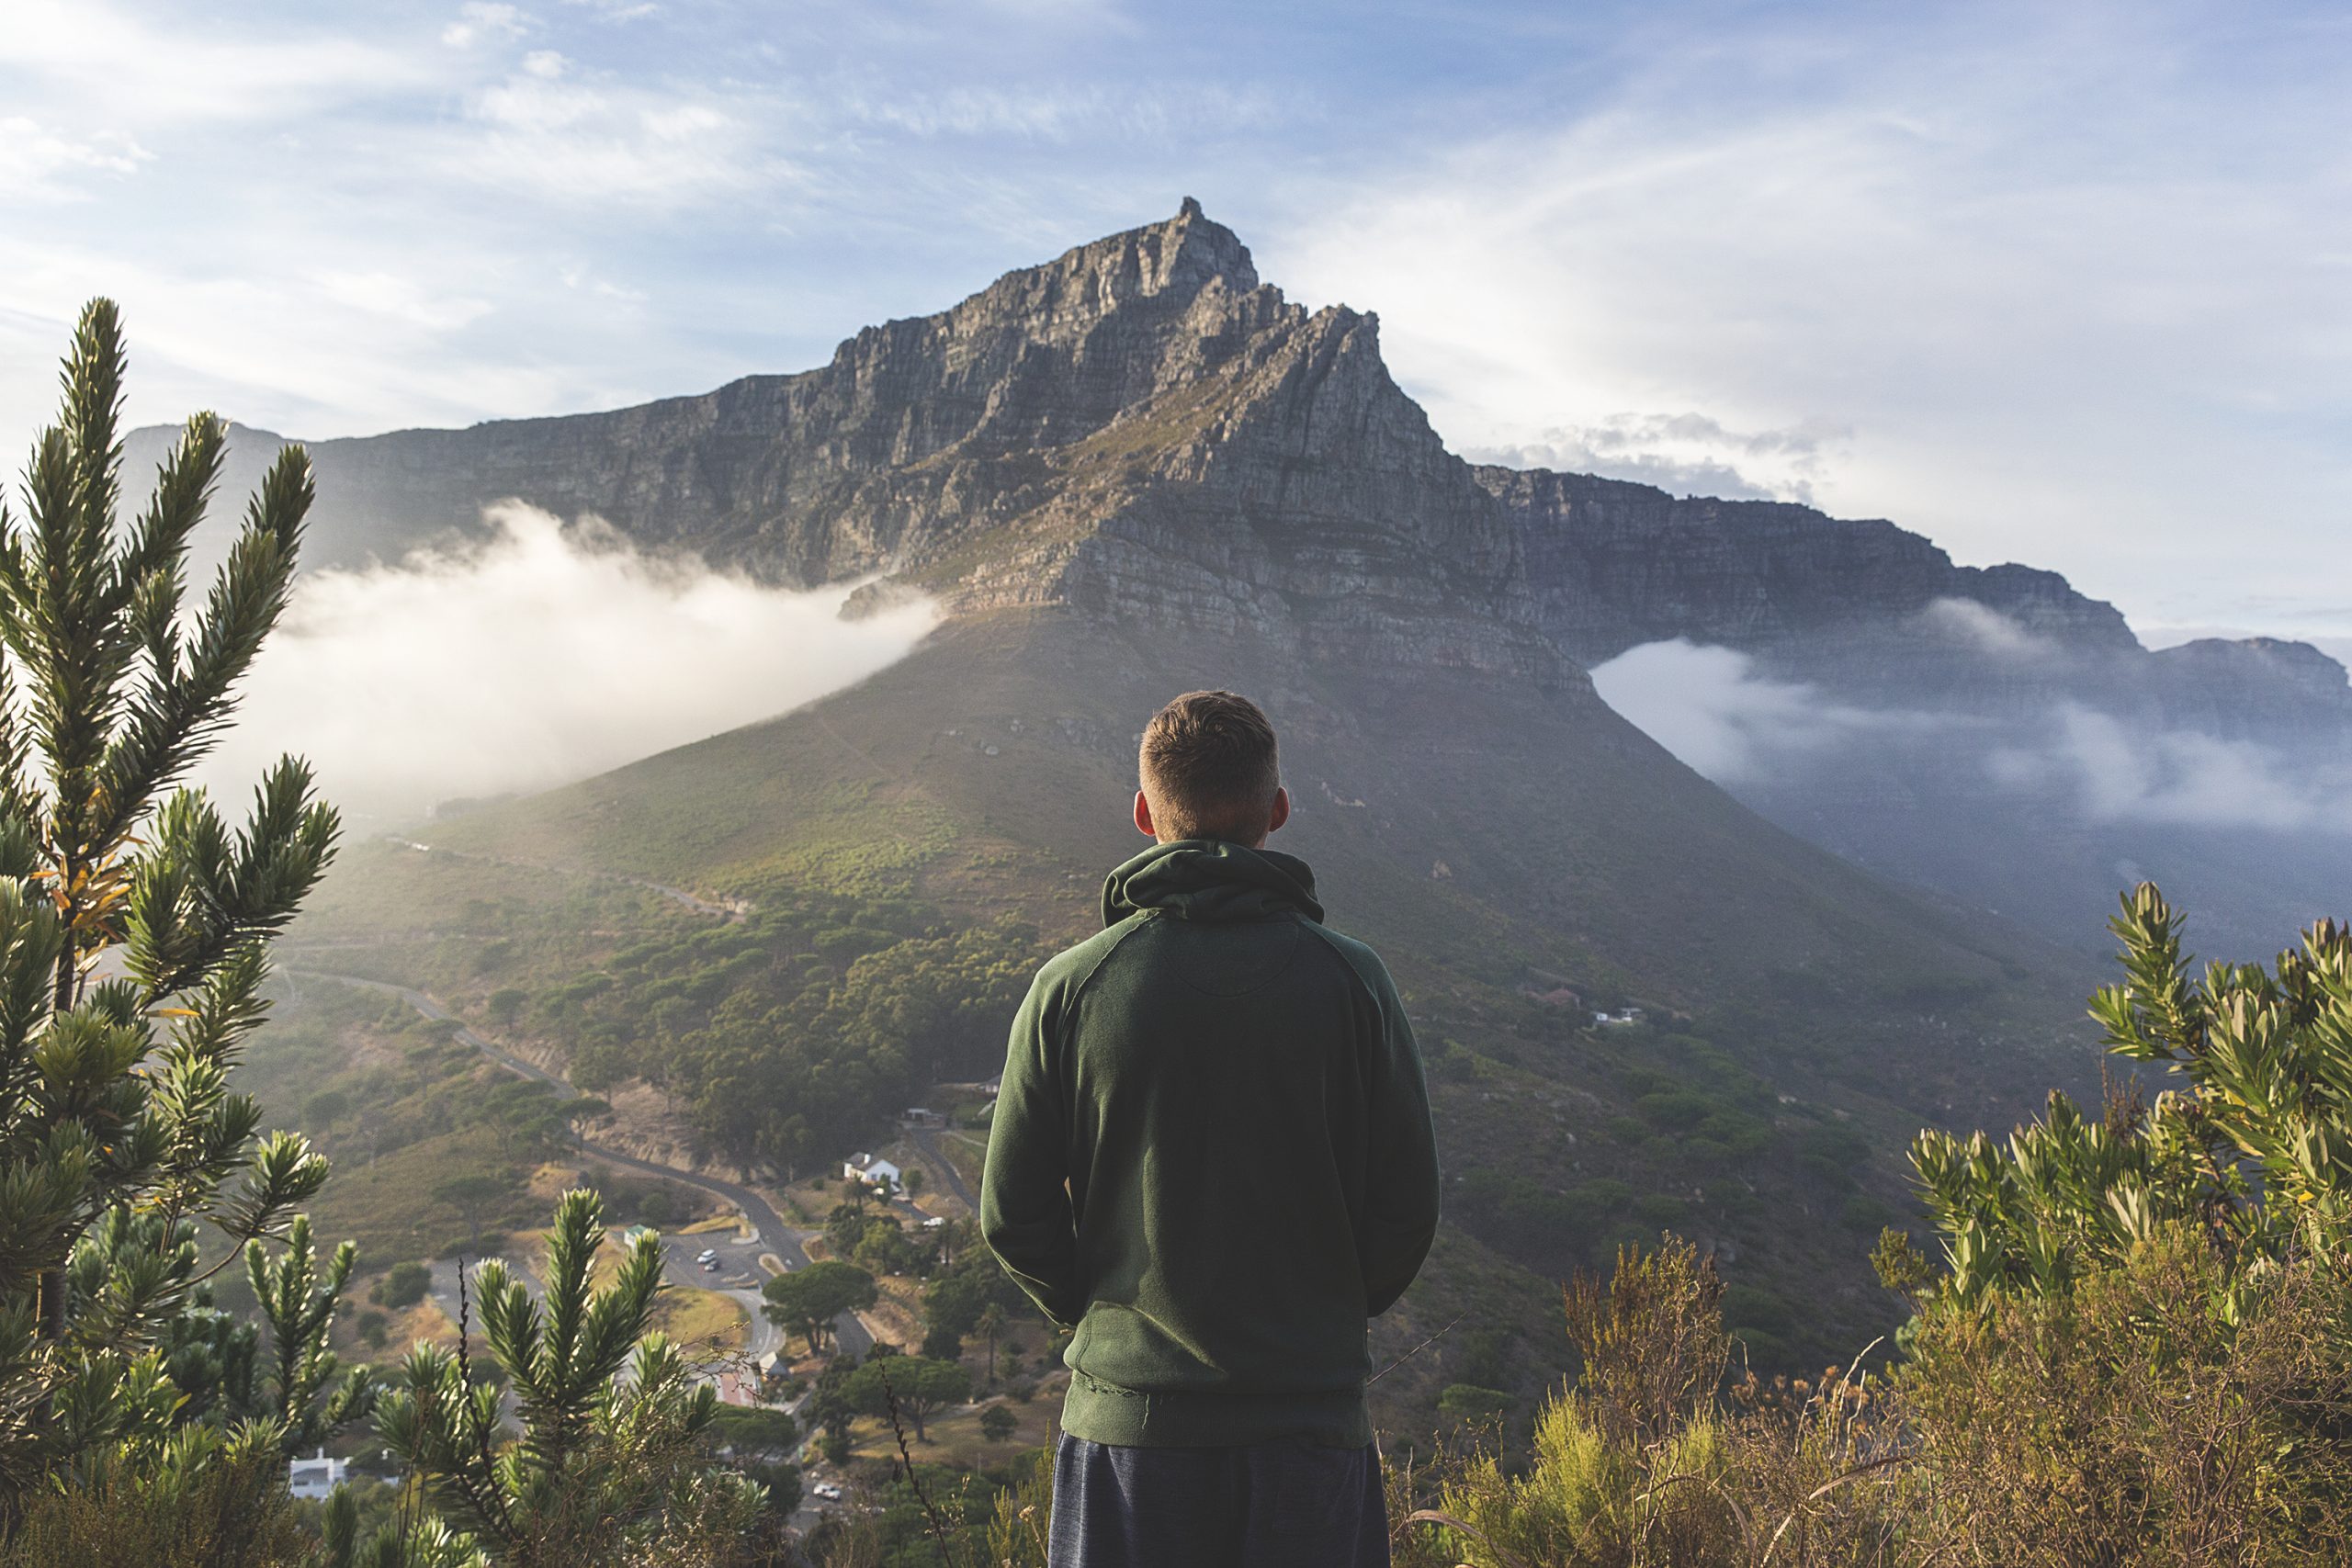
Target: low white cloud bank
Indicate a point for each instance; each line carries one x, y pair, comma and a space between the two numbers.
1709, 707
539, 654
2177, 776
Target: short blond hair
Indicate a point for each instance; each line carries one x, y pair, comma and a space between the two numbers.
1209, 767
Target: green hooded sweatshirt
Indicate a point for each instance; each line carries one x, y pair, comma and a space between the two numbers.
1211, 1155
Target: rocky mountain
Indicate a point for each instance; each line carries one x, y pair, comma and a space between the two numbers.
1139, 429
1143, 433
1138, 470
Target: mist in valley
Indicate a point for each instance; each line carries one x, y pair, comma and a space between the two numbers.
2038, 785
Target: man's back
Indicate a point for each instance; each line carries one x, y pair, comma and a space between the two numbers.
1232, 1094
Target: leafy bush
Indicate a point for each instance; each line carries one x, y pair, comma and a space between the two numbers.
611, 1461
2159, 1412
2255, 1150
402, 1286
1464, 1402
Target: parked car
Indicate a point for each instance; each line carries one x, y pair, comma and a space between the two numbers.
828, 1490
706, 1255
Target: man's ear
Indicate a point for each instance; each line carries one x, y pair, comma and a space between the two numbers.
1143, 816
1281, 813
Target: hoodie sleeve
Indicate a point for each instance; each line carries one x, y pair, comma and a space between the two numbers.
1400, 1205
1025, 1189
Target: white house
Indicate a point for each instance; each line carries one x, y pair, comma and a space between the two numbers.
873, 1172
314, 1478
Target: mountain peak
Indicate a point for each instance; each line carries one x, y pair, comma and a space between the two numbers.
1173, 261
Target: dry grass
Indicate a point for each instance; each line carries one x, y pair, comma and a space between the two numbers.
703, 1322
955, 1437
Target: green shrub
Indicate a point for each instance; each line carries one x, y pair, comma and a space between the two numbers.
1662, 1211
1465, 1401
1676, 1111
402, 1286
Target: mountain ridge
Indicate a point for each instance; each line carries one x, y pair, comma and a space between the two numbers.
1143, 431
383, 494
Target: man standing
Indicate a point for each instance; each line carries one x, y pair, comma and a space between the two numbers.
1212, 1157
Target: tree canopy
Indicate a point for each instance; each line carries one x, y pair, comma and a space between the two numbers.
806, 1301
918, 1385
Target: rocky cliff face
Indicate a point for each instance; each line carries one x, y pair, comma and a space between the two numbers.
1613, 565
1873, 614
1143, 433
1139, 429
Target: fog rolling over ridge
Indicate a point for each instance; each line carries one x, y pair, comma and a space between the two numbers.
532, 654
1711, 707
2021, 795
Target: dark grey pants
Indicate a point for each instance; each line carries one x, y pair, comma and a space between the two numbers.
1286, 1504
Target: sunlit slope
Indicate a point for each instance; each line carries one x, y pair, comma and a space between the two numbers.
1482, 831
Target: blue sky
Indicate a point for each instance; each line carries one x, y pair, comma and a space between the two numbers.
2059, 283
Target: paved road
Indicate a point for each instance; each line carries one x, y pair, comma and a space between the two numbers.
728, 909
740, 1276
927, 1140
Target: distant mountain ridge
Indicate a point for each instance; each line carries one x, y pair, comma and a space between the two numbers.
1614, 565
1143, 432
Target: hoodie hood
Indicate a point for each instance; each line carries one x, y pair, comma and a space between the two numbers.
1208, 879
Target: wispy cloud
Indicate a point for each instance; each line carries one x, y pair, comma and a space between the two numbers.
33, 155
1711, 707
1981, 629
1689, 454
558, 133
2120, 773
172, 69
478, 22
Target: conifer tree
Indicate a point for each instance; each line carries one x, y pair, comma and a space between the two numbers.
134, 930
610, 1464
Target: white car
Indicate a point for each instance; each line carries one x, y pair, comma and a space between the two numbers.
707, 1255
829, 1491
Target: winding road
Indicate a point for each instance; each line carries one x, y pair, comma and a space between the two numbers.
769, 1232
927, 1140
727, 908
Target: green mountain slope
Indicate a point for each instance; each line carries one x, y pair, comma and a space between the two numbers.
1522, 856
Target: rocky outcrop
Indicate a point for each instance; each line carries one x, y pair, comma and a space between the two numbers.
1613, 565
1143, 433
1139, 429
1873, 614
